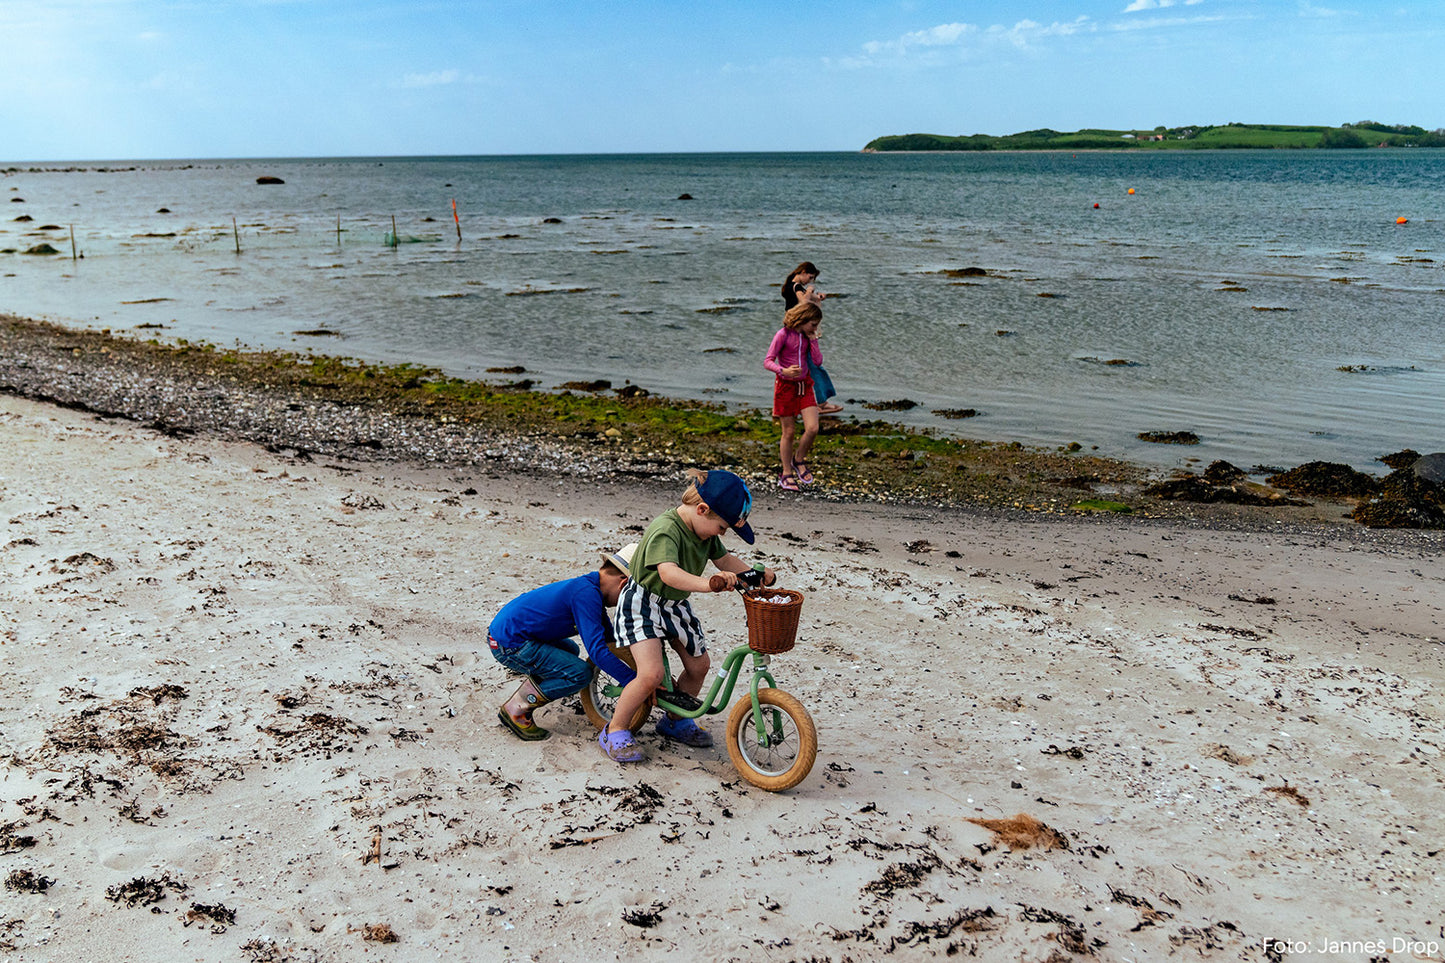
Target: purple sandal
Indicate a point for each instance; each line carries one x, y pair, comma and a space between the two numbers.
619, 747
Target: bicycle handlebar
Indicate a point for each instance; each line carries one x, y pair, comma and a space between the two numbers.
752, 578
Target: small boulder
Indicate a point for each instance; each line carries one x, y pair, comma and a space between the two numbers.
267, 179
1431, 467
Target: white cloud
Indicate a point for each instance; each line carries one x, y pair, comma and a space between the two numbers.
437, 78
1153, 22
947, 34
1139, 5
1021, 34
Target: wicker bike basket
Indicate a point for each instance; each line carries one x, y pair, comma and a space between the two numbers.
772, 619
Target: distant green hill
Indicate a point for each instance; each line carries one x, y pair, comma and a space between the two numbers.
1203, 137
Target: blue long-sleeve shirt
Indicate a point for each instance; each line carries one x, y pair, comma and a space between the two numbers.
559, 611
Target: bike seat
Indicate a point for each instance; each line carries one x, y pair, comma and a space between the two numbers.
680, 699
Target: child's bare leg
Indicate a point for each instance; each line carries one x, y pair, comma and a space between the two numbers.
785, 445
694, 673
648, 656
694, 669
810, 433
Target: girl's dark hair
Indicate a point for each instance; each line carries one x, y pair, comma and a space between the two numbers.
790, 297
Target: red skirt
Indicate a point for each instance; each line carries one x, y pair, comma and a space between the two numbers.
791, 397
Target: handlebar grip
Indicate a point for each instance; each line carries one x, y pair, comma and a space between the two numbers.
770, 578
717, 583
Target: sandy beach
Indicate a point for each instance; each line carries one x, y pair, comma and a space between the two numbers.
248, 714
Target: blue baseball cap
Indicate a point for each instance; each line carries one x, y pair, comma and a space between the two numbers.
728, 496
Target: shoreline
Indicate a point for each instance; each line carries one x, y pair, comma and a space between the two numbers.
249, 713
344, 408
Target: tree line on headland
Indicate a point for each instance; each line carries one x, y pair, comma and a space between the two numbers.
1366, 133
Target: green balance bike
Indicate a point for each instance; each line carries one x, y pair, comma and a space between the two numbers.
770, 737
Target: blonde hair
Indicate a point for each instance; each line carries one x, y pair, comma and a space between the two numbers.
800, 314
695, 477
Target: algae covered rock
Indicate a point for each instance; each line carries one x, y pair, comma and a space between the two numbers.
1326, 479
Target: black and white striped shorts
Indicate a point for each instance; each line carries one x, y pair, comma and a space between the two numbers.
643, 615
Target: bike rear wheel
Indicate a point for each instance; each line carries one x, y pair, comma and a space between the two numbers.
599, 706
784, 757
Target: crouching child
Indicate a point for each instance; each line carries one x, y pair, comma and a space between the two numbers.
533, 635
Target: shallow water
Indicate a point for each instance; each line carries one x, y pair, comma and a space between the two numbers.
681, 296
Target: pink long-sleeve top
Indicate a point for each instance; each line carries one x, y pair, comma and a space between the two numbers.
792, 348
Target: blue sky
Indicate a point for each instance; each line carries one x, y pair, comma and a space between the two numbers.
112, 79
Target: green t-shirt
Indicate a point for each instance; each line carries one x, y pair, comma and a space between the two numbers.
668, 539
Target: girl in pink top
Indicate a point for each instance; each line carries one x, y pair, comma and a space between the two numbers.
787, 358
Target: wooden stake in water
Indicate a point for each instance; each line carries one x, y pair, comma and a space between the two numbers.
72, 242
338, 230
395, 241
235, 232
456, 218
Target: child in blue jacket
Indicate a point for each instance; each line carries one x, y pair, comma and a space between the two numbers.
532, 635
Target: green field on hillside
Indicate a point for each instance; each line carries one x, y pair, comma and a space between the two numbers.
1203, 137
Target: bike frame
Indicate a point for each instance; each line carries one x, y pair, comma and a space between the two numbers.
720, 693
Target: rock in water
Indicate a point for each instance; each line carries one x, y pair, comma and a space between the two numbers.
1431, 467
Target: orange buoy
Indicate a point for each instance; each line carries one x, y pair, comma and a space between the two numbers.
1402, 220
1131, 190
1096, 205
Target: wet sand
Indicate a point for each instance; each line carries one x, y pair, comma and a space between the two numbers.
248, 713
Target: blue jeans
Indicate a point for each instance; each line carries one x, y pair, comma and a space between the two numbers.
555, 666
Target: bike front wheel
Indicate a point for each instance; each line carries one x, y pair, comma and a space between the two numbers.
784, 756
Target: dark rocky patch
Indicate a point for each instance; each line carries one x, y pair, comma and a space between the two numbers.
954, 414
1222, 473
1404, 499
901, 404
1325, 479
268, 179
1169, 437
600, 384
1404, 458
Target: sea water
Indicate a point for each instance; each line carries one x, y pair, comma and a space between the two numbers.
1268, 301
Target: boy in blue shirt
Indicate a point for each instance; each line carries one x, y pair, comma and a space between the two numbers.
532, 634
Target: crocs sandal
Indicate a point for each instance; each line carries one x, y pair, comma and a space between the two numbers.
685, 731
619, 747
805, 474
789, 483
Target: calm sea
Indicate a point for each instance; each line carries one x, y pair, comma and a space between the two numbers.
1234, 286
